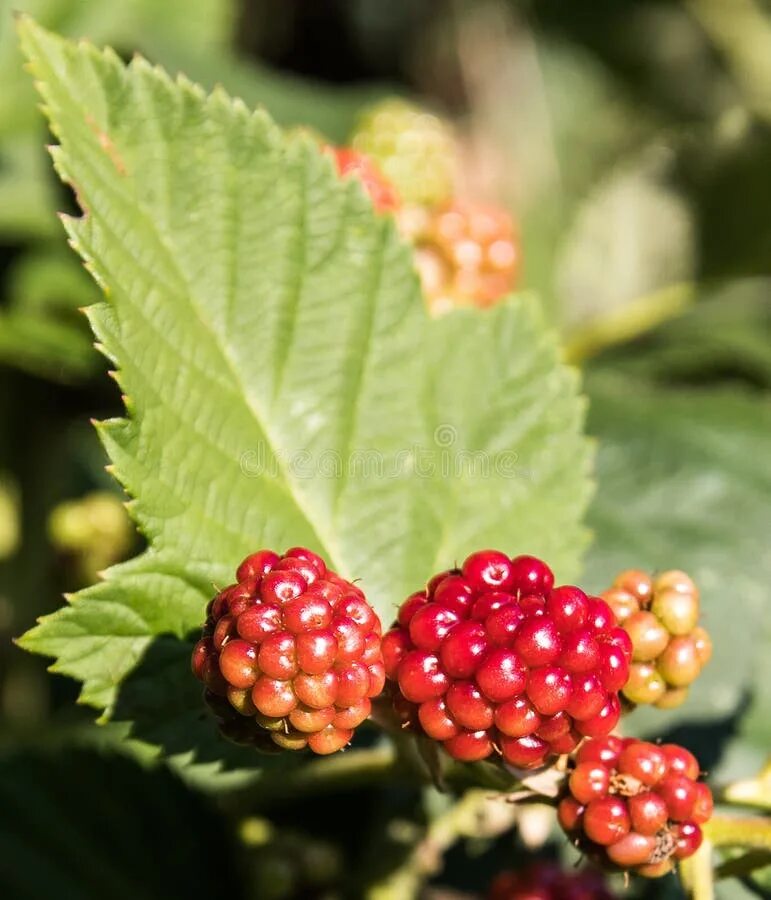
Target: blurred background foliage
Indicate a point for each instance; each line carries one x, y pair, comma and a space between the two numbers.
632, 142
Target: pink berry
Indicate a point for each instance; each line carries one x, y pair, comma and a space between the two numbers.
538, 642
532, 576
421, 677
606, 820
468, 706
517, 718
469, 746
463, 649
257, 565
549, 688
430, 626
568, 607
501, 675
488, 570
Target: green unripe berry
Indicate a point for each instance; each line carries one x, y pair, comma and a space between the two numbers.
672, 698
270, 723
677, 611
675, 580
679, 664
292, 740
645, 684
649, 636
414, 149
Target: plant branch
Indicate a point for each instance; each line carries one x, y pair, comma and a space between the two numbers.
739, 831
342, 771
697, 874
478, 812
744, 865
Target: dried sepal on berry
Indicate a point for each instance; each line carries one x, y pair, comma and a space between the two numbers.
492, 659
290, 654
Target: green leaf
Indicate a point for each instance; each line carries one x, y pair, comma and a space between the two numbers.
43, 346
283, 381
194, 39
683, 485
83, 825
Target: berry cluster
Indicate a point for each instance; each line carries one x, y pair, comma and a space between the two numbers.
414, 149
669, 647
492, 658
352, 163
466, 254
635, 805
548, 881
290, 654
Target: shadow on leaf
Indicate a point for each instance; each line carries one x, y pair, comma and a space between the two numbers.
164, 704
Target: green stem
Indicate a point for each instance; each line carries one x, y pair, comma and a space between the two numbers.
465, 818
341, 771
744, 865
633, 319
697, 874
739, 831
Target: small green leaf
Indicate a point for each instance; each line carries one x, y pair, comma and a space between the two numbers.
283, 381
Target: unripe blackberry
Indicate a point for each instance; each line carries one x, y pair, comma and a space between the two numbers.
669, 648
493, 659
290, 654
381, 192
546, 880
467, 254
633, 805
414, 149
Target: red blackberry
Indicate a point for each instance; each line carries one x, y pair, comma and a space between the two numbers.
492, 658
544, 880
352, 162
669, 649
634, 805
290, 654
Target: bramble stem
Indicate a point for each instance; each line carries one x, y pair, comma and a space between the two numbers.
341, 771
739, 831
697, 874
472, 815
744, 865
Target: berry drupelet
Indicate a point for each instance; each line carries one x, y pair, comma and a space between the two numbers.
633, 805
493, 659
669, 647
545, 880
290, 654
